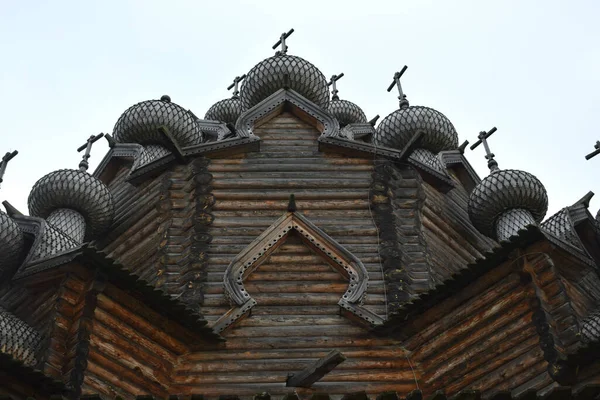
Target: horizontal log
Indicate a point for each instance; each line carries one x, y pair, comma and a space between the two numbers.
303, 205
130, 334
270, 377
345, 328
283, 184
141, 325
323, 166
376, 353
332, 388
284, 194
375, 287
329, 159
265, 222
286, 365
297, 342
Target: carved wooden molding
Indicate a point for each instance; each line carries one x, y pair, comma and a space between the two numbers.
326, 123
261, 248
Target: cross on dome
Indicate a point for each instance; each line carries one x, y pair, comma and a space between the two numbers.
401, 96
83, 165
591, 155
281, 42
7, 157
334, 91
492, 164
235, 84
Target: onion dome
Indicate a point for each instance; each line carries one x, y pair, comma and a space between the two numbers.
506, 200
142, 124
283, 71
397, 129
344, 111
74, 190
73, 201
11, 236
228, 110
18, 339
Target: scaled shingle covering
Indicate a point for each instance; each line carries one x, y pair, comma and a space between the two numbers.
227, 110
140, 124
11, 245
396, 130
504, 190
18, 339
76, 190
346, 112
268, 76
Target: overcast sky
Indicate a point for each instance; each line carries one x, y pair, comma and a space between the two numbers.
531, 68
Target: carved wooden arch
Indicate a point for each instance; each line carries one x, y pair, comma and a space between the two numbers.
272, 106
264, 245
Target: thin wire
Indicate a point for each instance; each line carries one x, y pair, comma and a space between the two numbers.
378, 240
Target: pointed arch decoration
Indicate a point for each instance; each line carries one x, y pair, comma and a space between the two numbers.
270, 107
264, 245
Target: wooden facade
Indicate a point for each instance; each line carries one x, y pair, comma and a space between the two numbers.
454, 309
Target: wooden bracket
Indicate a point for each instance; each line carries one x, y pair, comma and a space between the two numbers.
315, 371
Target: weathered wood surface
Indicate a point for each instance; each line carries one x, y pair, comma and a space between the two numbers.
252, 192
312, 373
291, 327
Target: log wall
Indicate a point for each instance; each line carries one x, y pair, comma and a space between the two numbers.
251, 191
452, 241
482, 338
295, 322
130, 351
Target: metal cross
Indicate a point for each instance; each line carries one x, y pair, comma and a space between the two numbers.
281, 42
334, 79
592, 154
396, 82
7, 157
235, 83
492, 164
83, 165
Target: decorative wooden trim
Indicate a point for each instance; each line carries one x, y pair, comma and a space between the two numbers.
261, 248
454, 159
554, 317
326, 123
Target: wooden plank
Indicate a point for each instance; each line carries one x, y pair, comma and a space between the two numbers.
316, 371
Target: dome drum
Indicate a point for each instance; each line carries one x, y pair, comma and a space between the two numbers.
69, 222
511, 222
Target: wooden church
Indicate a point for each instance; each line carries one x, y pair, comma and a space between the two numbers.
287, 247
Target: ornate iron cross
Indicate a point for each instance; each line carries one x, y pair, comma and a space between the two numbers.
83, 165
591, 155
235, 84
492, 164
281, 42
396, 82
334, 79
7, 157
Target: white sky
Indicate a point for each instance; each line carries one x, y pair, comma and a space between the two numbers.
531, 68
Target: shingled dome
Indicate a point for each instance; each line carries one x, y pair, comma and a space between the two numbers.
396, 130
140, 124
11, 245
227, 110
346, 112
76, 190
517, 195
284, 71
